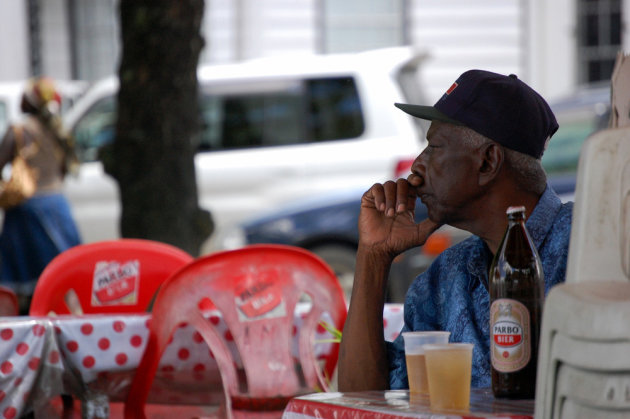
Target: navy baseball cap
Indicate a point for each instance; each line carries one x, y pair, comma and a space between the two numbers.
499, 107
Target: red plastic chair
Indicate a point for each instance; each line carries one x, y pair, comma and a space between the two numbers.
117, 276
8, 302
256, 289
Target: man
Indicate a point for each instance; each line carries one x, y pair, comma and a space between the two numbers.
487, 136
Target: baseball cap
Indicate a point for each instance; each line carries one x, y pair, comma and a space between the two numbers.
502, 108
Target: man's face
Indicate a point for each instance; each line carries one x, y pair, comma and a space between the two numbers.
446, 174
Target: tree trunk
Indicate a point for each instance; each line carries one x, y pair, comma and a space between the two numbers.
152, 156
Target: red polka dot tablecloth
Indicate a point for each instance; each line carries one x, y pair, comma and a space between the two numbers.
44, 357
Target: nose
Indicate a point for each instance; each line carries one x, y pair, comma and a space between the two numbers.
418, 166
418, 171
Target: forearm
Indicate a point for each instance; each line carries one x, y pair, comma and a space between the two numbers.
363, 357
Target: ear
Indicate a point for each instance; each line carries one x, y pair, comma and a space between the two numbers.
491, 158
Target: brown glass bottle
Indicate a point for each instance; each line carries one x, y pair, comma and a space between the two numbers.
517, 292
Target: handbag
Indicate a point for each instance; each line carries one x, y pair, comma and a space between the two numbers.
23, 182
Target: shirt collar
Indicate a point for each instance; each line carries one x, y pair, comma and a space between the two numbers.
538, 224
541, 219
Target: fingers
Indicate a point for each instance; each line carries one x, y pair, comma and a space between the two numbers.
376, 196
393, 197
404, 196
390, 198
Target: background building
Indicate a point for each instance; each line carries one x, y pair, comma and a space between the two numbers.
553, 45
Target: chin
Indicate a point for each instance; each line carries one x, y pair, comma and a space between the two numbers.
435, 216
440, 217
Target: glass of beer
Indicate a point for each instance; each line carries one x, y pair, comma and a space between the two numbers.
414, 355
448, 372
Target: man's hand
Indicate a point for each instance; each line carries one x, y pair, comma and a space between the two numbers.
386, 222
386, 228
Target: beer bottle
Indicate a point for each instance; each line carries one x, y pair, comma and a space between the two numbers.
517, 292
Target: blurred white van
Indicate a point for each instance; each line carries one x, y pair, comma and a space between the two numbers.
276, 130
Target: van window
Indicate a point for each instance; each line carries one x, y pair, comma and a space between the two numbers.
273, 113
253, 119
95, 129
249, 115
334, 109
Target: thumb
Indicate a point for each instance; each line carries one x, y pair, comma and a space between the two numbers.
424, 229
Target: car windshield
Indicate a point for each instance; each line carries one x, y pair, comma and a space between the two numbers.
95, 129
563, 151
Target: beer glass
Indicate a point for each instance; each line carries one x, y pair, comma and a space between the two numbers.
414, 356
448, 371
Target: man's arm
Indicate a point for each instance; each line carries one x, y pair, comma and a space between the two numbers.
386, 228
363, 358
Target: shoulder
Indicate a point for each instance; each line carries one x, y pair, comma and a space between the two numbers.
565, 213
550, 222
452, 268
32, 125
458, 255
555, 248
9, 136
560, 230
456, 259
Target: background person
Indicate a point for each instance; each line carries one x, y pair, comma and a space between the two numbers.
487, 136
41, 227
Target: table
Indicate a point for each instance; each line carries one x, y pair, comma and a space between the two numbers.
396, 404
42, 357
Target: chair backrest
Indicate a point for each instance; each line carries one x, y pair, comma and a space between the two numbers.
599, 247
8, 302
256, 290
584, 323
117, 276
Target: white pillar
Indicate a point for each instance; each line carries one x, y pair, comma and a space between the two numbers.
14, 41
552, 48
625, 21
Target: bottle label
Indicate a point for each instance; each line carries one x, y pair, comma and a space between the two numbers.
510, 335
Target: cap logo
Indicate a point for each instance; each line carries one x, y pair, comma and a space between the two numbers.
450, 89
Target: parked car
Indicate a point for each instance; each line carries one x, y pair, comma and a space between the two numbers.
275, 130
579, 115
327, 225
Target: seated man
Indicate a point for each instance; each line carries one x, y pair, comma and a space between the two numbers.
487, 136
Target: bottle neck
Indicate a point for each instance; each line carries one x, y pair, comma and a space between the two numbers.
516, 217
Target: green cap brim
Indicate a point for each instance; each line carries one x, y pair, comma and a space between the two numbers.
426, 112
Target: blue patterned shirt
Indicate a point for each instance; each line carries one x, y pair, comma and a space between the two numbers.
453, 293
